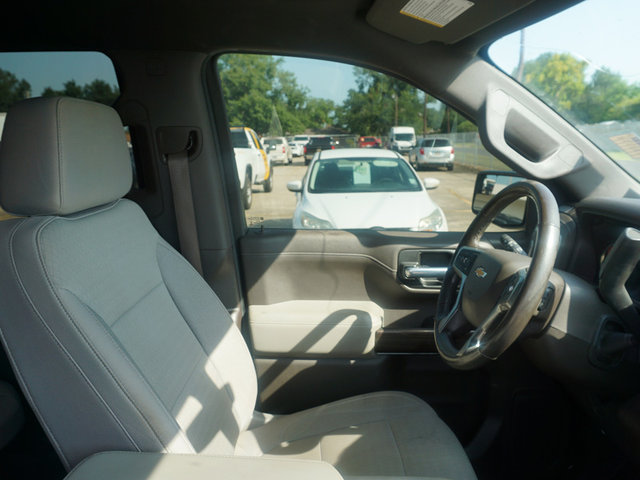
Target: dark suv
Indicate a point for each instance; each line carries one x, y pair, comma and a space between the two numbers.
317, 144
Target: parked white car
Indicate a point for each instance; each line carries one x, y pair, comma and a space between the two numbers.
360, 188
297, 144
277, 149
252, 162
433, 152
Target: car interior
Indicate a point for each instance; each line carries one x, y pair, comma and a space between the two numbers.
150, 331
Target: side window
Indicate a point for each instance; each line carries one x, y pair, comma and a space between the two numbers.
88, 75
366, 150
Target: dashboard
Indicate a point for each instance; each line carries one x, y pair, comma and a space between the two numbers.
592, 341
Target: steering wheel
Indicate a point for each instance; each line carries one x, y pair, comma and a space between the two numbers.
488, 296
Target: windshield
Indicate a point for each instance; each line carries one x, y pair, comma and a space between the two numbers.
352, 175
583, 63
405, 137
272, 141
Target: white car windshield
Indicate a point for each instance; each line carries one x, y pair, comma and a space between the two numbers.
353, 175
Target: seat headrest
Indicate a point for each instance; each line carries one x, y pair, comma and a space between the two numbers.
62, 155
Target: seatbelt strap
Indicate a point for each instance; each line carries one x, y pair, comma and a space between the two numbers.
178, 164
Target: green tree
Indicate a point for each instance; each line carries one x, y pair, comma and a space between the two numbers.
630, 106
608, 97
252, 88
96, 91
12, 89
100, 91
557, 77
379, 102
319, 112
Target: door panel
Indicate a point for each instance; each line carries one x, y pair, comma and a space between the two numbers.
306, 265
315, 295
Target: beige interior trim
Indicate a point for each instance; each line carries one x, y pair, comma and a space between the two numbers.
315, 328
158, 466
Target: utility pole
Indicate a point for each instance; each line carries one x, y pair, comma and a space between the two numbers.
520, 70
395, 99
424, 115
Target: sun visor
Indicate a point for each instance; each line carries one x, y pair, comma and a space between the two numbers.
446, 21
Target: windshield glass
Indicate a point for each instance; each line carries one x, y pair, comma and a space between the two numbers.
353, 175
583, 63
405, 137
272, 141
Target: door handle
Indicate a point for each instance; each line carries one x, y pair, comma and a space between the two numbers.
422, 272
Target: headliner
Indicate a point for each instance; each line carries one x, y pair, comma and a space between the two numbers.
332, 28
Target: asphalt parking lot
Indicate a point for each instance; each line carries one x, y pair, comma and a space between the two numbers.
275, 209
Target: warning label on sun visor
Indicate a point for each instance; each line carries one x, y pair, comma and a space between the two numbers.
436, 12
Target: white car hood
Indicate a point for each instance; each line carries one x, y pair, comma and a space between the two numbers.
368, 210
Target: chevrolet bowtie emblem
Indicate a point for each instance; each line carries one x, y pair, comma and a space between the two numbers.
480, 272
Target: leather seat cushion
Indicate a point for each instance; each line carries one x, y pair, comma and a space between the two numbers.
378, 434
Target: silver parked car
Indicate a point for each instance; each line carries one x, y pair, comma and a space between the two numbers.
432, 152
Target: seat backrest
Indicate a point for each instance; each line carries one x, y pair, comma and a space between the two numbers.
117, 342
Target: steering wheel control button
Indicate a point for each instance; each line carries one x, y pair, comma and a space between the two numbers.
464, 260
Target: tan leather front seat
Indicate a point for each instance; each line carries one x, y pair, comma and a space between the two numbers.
120, 345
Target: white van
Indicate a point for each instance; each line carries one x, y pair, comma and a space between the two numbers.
402, 139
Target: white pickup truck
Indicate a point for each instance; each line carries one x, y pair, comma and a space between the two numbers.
254, 166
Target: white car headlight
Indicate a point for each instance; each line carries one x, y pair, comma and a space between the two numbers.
432, 222
309, 221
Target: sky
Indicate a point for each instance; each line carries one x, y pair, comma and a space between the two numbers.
605, 33
602, 32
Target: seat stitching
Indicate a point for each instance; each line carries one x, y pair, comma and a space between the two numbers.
397, 445
25, 387
226, 387
135, 304
175, 254
61, 347
91, 212
27, 393
184, 385
88, 342
127, 358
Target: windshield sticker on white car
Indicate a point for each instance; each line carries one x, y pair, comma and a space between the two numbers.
436, 12
362, 174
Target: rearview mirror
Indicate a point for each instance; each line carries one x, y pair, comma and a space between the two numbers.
294, 186
490, 183
430, 183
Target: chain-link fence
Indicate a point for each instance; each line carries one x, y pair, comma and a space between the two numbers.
469, 151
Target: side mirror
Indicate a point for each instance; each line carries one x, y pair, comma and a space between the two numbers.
430, 183
295, 186
489, 184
